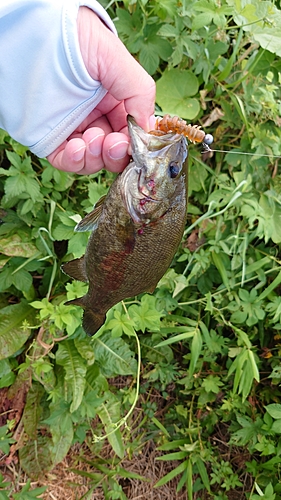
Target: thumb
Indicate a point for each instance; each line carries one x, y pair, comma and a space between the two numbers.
108, 61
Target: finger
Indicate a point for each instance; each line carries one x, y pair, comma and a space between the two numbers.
115, 152
134, 86
69, 156
94, 139
118, 71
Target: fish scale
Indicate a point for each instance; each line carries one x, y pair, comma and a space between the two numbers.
136, 228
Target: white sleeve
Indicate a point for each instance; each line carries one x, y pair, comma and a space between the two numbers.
45, 89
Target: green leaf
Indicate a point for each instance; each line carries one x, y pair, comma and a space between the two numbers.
27, 494
62, 434
175, 472
220, 265
212, 383
109, 414
85, 348
203, 473
33, 410
21, 181
196, 347
13, 333
145, 315
189, 333
274, 410
7, 376
114, 356
15, 246
5, 439
174, 89
276, 426
75, 371
153, 47
35, 457
262, 21
120, 324
196, 178
201, 20
129, 25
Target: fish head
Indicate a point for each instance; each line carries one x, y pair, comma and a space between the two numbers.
155, 175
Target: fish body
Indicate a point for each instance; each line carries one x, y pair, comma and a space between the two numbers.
136, 227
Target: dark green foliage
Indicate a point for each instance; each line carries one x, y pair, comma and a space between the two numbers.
209, 336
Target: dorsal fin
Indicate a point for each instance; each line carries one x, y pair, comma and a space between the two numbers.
90, 221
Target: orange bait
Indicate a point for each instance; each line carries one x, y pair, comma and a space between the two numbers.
176, 125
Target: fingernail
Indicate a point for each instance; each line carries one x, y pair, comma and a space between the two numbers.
95, 145
78, 155
119, 150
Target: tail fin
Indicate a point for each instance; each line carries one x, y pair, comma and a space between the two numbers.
92, 321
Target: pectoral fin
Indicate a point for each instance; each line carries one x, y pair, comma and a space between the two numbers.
90, 221
75, 269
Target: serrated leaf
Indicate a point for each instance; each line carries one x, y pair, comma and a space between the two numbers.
212, 383
174, 91
12, 333
120, 324
22, 280
16, 185
145, 316
126, 24
63, 232
168, 30
202, 20
75, 371
114, 356
77, 244
149, 59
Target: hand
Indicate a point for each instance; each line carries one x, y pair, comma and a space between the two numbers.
102, 141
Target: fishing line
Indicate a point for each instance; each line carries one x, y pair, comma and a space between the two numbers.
209, 150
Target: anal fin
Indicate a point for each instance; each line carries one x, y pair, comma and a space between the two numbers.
75, 302
75, 269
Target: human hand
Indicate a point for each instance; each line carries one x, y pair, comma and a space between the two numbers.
102, 141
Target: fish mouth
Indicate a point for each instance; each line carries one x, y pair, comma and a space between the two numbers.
136, 198
144, 193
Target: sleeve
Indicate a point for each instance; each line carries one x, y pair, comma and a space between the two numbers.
45, 89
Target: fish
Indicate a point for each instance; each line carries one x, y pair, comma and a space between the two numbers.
136, 228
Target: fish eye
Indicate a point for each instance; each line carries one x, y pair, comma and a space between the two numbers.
174, 169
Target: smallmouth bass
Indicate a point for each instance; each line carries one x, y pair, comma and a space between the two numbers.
136, 228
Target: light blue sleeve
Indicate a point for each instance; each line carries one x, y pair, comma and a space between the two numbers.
45, 89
